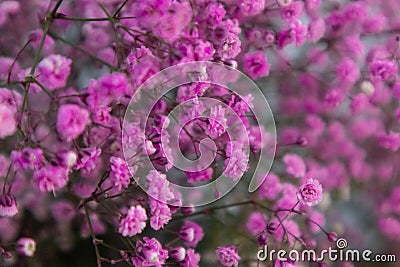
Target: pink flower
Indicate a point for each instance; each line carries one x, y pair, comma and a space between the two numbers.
216, 122
27, 158
270, 188
149, 252
237, 162
119, 175
50, 178
53, 71
191, 233
160, 214
389, 140
294, 165
256, 223
316, 30
88, 159
310, 193
26, 246
71, 121
347, 71
192, 259
256, 64
228, 256
292, 12
134, 221
381, 70
251, 7
8, 124
8, 205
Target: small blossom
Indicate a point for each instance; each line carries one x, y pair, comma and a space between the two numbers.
251, 7
119, 175
50, 178
294, 165
228, 256
256, 64
192, 259
27, 158
292, 12
8, 124
237, 162
382, 70
88, 158
53, 71
134, 221
149, 252
310, 193
256, 223
26, 246
71, 121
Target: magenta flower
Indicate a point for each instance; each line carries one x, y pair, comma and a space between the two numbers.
27, 158
119, 175
50, 178
256, 64
149, 252
381, 70
134, 221
310, 193
251, 7
8, 124
88, 159
71, 121
256, 223
294, 165
192, 259
53, 71
228, 256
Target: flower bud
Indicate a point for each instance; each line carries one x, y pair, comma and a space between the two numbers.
187, 210
26, 246
178, 253
8, 205
332, 236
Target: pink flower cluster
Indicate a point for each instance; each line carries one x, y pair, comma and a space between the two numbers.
73, 166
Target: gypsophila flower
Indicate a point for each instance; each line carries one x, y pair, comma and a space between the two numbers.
228, 256
149, 252
310, 193
8, 124
294, 165
256, 64
119, 175
192, 259
133, 222
71, 121
53, 71
50, 178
